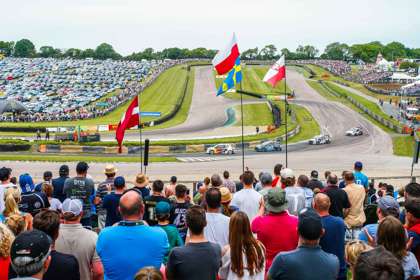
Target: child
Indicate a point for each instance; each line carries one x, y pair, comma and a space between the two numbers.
179, 210
48, 189
163, 210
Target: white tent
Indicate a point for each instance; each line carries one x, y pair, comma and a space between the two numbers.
411, 85
402, 76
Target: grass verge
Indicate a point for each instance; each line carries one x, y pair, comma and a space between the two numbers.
308, 125
403, 145
254, 114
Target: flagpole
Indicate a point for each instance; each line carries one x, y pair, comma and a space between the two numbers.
242, 128
285, 108
141, 140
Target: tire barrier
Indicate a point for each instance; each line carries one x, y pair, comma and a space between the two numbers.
14, 147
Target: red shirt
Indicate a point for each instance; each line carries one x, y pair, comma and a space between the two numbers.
4, 268
278, 233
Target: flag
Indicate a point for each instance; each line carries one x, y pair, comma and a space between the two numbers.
129, 119
276, 72
233, 77
225, 59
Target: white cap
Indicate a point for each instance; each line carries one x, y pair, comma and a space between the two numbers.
287, 173
73, 206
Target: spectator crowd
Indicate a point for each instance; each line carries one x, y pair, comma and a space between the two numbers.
278, 226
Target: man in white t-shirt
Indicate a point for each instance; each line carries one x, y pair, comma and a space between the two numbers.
5, 175
247, 200
217, 229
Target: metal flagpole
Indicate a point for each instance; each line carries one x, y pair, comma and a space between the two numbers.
141, 140
286, 107
242, 127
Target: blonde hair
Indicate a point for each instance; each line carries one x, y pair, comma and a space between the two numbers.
148, 273
6, 240
354, 249
16, 223
48, 189
11, 200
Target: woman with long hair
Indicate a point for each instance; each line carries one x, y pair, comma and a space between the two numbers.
6, 240
244, 257
392, 235
12, 199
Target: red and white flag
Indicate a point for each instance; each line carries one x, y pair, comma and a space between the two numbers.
276, 72
225, 59
130, 119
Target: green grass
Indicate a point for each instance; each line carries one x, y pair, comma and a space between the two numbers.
75, 158
160, 96
308, 125
403, 145
254, 114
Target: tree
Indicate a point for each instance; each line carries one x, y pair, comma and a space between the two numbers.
306, 52
88, 53
105, 51
24, 48
73, 53
250, 54
268, 52
366, 52
48, 51
394, 50
407, 65
337, 51
6, 48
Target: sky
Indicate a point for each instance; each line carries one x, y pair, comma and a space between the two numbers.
132, 25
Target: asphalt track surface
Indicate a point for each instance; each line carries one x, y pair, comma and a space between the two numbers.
374, 148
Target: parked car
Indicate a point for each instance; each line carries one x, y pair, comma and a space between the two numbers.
226, 149
320, 140
354, 131
268, 146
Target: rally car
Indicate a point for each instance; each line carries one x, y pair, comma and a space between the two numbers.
354, 131
268, 146
226, 149
320, 140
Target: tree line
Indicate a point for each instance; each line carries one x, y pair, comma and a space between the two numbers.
338, 51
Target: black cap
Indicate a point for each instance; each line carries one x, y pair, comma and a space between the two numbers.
309, 225
34, 244
314, 174
64, 169
48, 174
82, 167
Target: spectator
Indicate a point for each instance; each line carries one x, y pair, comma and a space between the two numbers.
16, 223
245, 256
179, 210
82, 188
198, 197
303, 182
6, 240
276, 180
55, 204
332, 241
170, 189
216, 181
217, 228
228, 183
5, 179
412, 207
58, 183
314, 183
111, 202
148, 273
412, 190
151, 201
31, 201
145, 246
74, 239
105, 188
308, 261
360, 178
163, 210
286, 239
198, 259
247, 200
227, 209
338, 197
391, 234
47, 176
326, 175
378, 264
352, 252
11, 199
355, 215
30, 254
142, 183
295, 196
387, 206
266, 181
62, 266
26, 183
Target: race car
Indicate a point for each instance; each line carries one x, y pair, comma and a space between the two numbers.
226, 149
320, 140
354, 131
268, 146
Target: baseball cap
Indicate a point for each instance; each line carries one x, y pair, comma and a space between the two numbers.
266, 178
287, 173
388, 202
47, 174
314, 174
34, 244
162, 207
64, 169
358, 164
275, 200
309, 225
119, 181
73, 206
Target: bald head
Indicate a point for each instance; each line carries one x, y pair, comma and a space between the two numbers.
322, 202
131, 206
332, 179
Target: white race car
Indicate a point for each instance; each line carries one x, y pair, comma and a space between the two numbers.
354, 131
320, 140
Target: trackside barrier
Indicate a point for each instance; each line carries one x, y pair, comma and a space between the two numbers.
390, 125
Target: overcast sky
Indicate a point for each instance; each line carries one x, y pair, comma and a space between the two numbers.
132, 25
